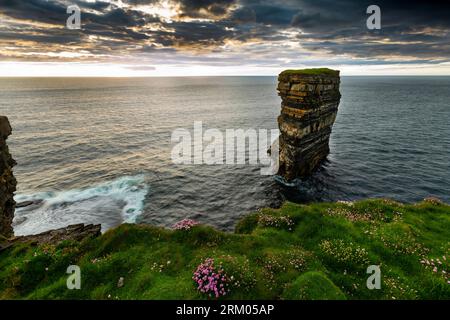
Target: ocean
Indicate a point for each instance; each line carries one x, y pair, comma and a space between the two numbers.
98, 150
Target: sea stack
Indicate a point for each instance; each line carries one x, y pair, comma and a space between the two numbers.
310, 100
7, 181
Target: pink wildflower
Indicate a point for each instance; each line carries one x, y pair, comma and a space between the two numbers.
185, 224
209, 280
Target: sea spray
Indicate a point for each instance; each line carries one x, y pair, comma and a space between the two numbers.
120, 200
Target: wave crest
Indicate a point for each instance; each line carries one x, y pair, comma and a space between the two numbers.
124, 196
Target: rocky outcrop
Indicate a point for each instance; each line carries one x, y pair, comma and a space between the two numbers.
75, 232
310, 100
7, 181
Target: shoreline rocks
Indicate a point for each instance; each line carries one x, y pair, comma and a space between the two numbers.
310, 100
24, 204
75, 232
8, 182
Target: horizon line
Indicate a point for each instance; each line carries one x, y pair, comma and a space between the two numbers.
222, 76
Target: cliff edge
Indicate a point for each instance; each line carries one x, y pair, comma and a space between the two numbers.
7, 181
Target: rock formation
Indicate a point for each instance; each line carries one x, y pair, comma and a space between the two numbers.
310, 100
7, 181
75, 232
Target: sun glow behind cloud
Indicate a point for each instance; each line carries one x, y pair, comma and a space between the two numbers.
166, 10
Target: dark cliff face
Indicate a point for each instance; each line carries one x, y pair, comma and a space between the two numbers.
310, 100
7, 181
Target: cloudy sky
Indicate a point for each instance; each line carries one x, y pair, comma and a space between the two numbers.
222, 37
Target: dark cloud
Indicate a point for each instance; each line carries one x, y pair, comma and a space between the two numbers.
244, 15
36, 10
205, 8
414, 29
271, 14
410, 28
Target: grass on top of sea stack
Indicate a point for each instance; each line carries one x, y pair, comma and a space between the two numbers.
313, 71
317, 251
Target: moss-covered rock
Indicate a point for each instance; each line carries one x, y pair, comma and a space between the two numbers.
312, 71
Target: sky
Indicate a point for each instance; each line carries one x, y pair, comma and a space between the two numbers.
222, 37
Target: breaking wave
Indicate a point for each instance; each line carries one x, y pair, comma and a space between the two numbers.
109, 203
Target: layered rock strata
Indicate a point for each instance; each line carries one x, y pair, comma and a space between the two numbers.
7, 181
310, 100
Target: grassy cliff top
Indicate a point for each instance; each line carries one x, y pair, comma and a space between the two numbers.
313, 71
317, 251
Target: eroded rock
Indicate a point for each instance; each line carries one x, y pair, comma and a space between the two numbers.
310, 100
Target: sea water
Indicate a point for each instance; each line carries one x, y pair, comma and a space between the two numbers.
98, 150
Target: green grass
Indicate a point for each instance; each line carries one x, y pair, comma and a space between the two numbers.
313, 71
313, 285
317, 251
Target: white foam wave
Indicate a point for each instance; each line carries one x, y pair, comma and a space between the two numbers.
124, 196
